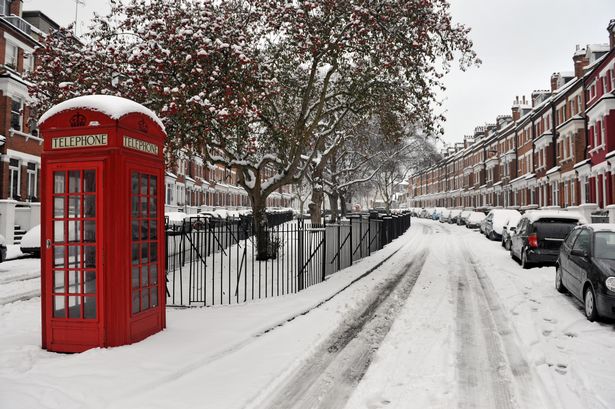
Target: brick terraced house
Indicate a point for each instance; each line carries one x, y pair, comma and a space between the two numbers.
556, 150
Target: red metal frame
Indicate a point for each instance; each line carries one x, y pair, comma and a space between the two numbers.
134, 143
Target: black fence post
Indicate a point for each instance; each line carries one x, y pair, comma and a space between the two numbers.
324, 249
360, 236
300, 245
350, 237
339, 247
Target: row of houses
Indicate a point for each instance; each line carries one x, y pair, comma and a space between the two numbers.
191, 185
555, 149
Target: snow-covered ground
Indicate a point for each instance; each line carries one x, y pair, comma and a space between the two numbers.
447, 320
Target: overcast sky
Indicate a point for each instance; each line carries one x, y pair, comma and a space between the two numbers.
521, 43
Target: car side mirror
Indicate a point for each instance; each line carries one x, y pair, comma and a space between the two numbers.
580, 253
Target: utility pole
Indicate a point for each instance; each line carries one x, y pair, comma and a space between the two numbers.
77, 4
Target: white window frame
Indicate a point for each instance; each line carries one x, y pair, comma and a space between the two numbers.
555, 193
19, 113
12, 171
11, 56
32, 181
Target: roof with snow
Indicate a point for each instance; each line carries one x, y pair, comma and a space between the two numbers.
112, 106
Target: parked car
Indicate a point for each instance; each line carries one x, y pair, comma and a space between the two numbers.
31, 242
437, 213
495, 221
454, 216
586, 268
540, 234
474, 220
2, 248
461, 219
445, 216
508, 229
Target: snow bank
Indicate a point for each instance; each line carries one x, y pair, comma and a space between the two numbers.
114, 107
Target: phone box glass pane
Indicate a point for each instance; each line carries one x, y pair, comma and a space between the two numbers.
59, 182
58, 207
89, 283
74, 306
58, 281
89, 181
89, 256
74, 181
58, 307
89, 307
89, 206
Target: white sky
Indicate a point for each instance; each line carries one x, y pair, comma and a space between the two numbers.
521, 43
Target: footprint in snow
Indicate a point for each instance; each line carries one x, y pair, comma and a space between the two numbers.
561, 369
546, 332
570, 334
551, 320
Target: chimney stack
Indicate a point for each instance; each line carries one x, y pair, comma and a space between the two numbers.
580, 61
611, 30
555, 77
516, 109
16, 7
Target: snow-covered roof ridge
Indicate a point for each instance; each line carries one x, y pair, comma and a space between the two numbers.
114, 107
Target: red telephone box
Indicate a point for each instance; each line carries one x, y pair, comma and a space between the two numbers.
102, 231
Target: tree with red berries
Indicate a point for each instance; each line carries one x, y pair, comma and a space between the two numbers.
261, 87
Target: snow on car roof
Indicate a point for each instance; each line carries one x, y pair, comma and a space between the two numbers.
114, 107
535, 215
602, 226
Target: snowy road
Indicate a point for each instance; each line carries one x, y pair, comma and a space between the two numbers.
445, 320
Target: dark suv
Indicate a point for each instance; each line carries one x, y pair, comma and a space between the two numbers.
539, 236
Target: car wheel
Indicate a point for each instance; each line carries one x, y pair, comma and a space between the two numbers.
590, 304
559, 285
491, 236
507, 245
524, 263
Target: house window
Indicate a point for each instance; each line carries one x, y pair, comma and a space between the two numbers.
32, 185
5, 7
169, 193
566, 193
10, 60
555, 193
16, 114
603, 131
27, 62
14, 178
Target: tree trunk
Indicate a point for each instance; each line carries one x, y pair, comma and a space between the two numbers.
315, 207
264, 246
333, 204
343, 210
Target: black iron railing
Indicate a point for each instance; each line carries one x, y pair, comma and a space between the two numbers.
212, 261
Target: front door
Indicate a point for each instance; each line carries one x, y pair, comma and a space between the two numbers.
73, 250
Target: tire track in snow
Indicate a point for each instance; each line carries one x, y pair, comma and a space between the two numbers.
491, 369
330, 376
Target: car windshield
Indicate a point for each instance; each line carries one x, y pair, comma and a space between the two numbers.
604, 245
